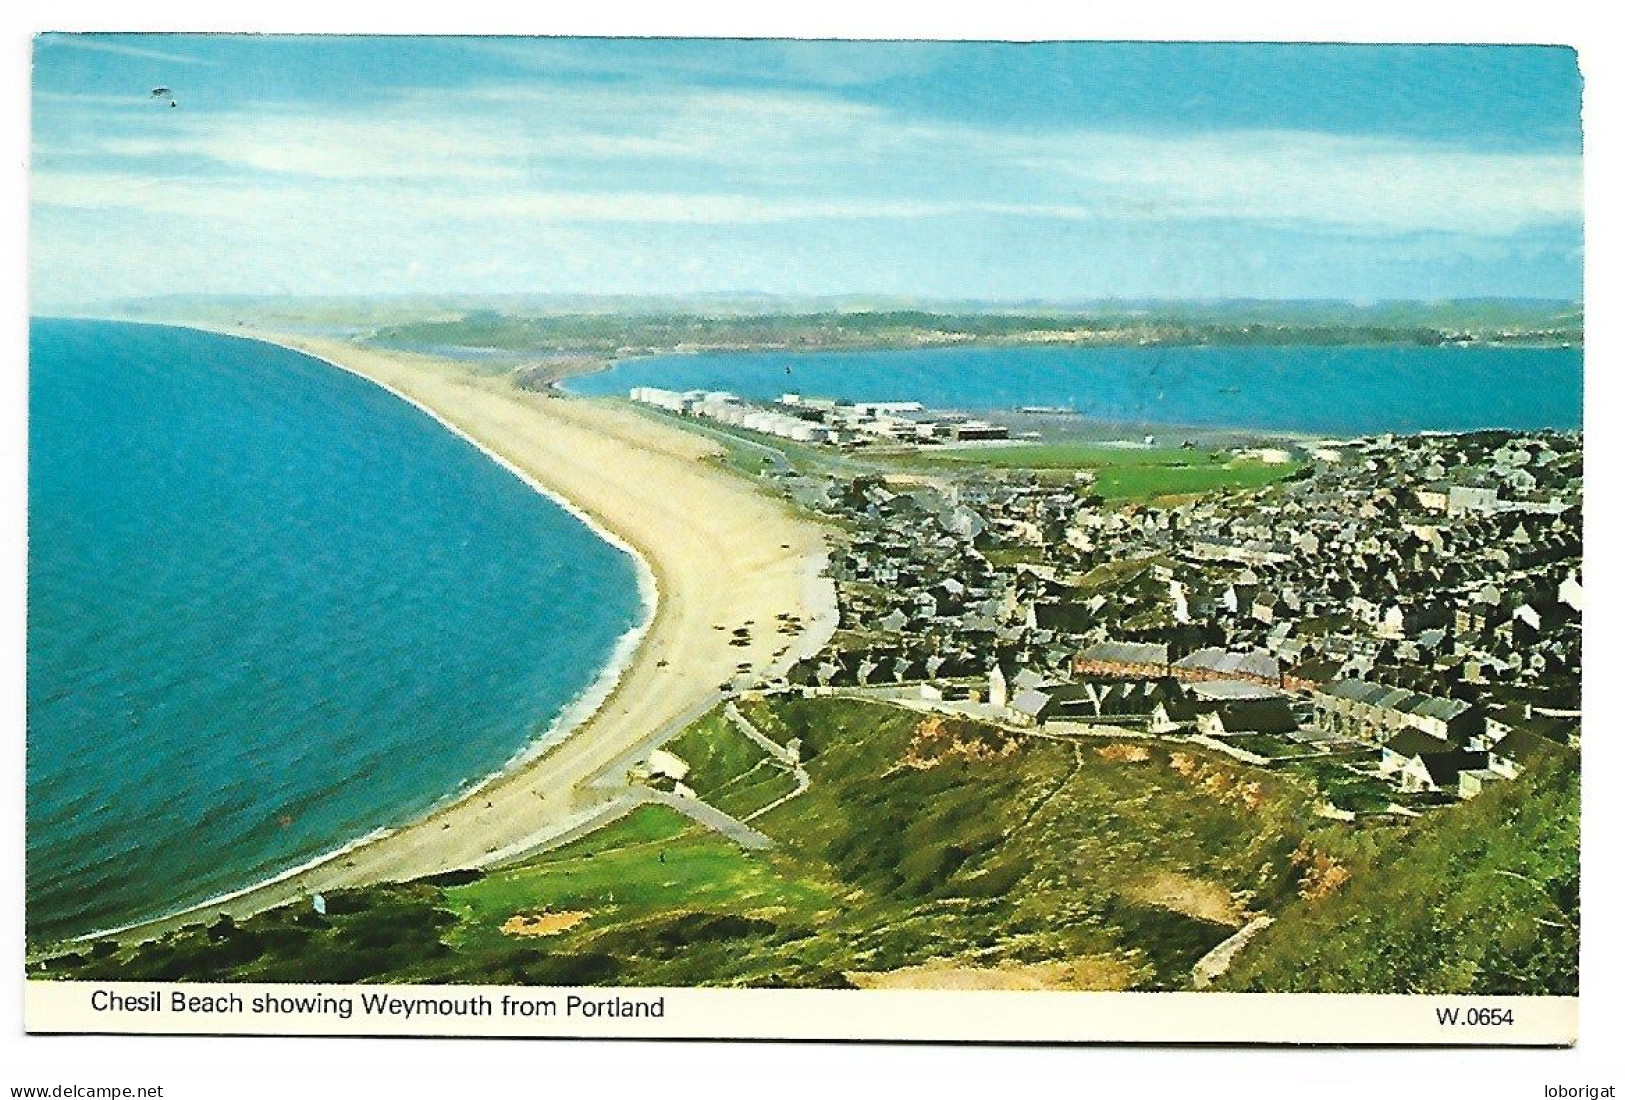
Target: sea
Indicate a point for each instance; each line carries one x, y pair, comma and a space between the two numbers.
1339, 391
272, 609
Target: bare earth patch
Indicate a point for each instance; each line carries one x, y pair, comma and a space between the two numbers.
1124, 754
1322, 874
1219, 782
543, 924
1100, 972
938, 740
1193, 897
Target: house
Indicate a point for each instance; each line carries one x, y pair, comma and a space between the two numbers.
1026, 679
1216, 663
1470, 783
1224, 691
1407, 620
1134, 698
998, 691
1511, 755
1130, 659
1559, 731
1417, 762
979, 429
1235, 717
1175, 712
1113, 699
1435, 498
1571, 591
1467, 498
1374, 712
1029, 708
1446, 719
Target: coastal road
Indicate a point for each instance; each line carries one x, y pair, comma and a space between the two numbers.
788, 760
712, 818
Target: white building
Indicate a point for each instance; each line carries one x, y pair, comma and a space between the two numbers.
1467, 498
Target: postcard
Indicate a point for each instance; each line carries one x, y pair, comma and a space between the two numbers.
1023, 542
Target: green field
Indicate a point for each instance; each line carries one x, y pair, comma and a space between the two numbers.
952, 845
1121, 473
1128, 473
653, 887
1149, 482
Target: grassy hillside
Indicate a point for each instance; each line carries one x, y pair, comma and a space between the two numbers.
930, 852
1482, 899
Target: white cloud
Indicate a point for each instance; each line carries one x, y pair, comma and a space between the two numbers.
426, 170
100, 45
338, 148
228, 202
793, 155
810, 61
1380, 184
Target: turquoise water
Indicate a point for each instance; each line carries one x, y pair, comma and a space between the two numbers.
271, 608
1335, 390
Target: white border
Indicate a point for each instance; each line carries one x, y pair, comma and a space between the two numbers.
278, 1067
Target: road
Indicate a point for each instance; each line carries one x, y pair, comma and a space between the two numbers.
712, 818
785, 757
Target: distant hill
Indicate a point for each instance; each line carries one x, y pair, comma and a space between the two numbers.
615, 325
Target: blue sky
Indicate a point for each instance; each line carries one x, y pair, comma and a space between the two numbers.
1057, 171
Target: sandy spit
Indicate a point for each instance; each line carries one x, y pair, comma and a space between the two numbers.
720, 552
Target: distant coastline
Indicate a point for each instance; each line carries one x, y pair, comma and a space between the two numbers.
565, 335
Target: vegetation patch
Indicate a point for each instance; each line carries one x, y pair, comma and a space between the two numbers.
1270, 746
716, 752
1119, 753
1480, 897
1051, 865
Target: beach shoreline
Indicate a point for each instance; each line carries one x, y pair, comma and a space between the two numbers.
711, 552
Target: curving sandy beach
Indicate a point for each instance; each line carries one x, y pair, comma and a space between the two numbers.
721, 553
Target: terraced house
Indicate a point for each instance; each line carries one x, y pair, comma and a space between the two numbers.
1376, 713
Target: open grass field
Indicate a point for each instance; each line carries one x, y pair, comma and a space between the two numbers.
1125, 473
1121, 473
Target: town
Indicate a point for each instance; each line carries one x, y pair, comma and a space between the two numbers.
1400, 619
